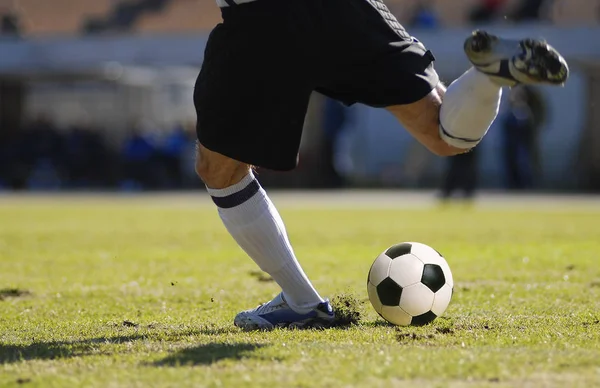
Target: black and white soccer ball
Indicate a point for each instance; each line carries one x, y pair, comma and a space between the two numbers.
410, 284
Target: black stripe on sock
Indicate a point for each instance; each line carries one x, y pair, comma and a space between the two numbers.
231, 3
238, 198
458, 138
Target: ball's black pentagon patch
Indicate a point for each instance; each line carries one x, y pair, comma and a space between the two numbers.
433, 277
389, 292
398, 250
423, 319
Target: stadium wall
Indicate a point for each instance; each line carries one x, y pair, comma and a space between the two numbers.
119, 79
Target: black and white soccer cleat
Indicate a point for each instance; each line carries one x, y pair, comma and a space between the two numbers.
511, 62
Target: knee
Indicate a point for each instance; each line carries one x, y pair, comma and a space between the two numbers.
218, 171
422, 120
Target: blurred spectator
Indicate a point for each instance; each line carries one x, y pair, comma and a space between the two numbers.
44, 175
13, 170
461, 175
88, 159
10, 20
521, 127
335, 117
42, 139
41, 150
174, 147
424, 16
43, 157
140, 158
528, 10
9, 25
486, 11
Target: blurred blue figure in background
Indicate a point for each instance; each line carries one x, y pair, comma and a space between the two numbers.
173, 148
44, 155
335, 118
424, 16
89, 162
140, 157
521, 126
44, 176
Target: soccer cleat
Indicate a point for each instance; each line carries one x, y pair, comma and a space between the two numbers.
512, 62
277, 313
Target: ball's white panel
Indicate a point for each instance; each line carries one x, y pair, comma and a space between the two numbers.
442, 300
373, 297
447, 272
425, 253
406, 270
379, 269
396, 315
416, 299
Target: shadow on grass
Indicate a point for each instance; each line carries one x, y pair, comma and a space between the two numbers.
59, 349
53, 350
208, 354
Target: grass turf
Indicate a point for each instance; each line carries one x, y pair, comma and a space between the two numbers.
134, 293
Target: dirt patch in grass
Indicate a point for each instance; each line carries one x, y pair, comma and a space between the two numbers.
413, 337
348, 310
261, 276
11, 293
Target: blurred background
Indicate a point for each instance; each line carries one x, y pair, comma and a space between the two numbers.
97, 95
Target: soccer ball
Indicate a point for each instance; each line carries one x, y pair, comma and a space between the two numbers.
410, 284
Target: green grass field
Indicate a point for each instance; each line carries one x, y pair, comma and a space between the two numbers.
141, 292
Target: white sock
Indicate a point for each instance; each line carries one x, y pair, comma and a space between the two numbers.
255, 224
469, 108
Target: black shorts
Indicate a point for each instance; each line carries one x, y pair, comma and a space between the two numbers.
267, 57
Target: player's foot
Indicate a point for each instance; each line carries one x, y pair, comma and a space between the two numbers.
511, 62
277, 313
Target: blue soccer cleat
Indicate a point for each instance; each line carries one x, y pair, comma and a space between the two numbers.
277, 313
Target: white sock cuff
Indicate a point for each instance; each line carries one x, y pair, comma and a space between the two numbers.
233, 188
458, 142
246, 194
469, 108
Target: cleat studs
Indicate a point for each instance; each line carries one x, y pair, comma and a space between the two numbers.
480, 41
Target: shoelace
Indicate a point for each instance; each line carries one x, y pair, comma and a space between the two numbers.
269, 307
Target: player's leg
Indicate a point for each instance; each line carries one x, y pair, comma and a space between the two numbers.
383, 66
255, 224
463, 112
470, 104
251, 98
